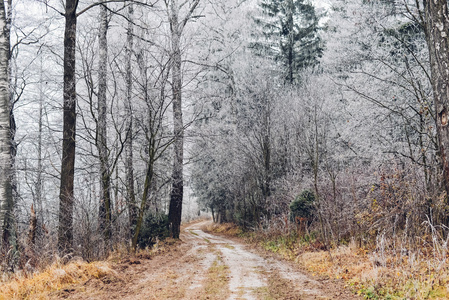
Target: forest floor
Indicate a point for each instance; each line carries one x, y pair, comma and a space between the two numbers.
204, 266
222, 262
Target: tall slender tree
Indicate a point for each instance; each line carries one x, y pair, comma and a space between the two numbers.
436, 24
176, 28
131, 196
101, 132
40, 168
6, 130
65, 230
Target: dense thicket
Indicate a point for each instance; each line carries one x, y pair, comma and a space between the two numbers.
358, 130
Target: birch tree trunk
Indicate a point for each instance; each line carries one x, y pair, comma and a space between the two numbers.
65, 230
101, 135
131, 198
6, 174
176, 196
437, 31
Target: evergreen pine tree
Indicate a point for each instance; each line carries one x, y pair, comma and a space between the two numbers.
289, 35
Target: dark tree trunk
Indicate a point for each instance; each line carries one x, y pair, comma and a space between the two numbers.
32, 229
65, 230
213, 214
175, 210
39, 180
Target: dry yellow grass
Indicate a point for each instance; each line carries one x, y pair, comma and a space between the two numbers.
397, 278
228, 229
58, 277
277, 288
217, 281
54, 278
163, 287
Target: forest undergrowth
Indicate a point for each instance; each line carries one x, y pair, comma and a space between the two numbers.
385, 268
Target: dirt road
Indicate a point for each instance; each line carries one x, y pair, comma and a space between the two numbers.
205, 266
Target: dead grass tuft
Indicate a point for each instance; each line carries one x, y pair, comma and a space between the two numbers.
54, 278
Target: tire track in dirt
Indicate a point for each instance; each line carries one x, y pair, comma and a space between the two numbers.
244, 266
250, 271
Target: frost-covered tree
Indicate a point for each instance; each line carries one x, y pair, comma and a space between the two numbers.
6, 151
383, 75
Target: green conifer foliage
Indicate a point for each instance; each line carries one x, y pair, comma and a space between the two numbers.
289, 35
